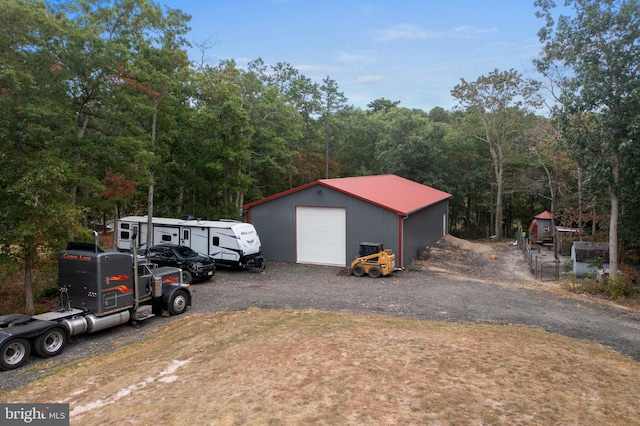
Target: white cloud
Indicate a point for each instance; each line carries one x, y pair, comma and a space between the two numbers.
369, 79
416, 32
305, 68
467, 31
401, 31
240, 61
367, 56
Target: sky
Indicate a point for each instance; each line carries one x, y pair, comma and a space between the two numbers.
412, 51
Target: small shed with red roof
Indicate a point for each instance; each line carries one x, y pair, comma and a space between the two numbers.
541, 227
323, 222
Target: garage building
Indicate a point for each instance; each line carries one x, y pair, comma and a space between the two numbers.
323, 222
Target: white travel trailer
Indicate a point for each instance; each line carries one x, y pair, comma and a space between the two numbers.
228, 242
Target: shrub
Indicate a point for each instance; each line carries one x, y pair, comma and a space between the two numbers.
571, 283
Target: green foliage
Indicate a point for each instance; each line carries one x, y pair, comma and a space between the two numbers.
599, 101
618, 288
500, 102
596, 262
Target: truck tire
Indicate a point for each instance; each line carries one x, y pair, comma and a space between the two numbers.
14, 353
51, 342
178, 302
358, 271
374, 272
187, 278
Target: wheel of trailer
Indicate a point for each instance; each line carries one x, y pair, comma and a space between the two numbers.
358, 271
374, 272
51, 342
187, 278
15, 353
178, 302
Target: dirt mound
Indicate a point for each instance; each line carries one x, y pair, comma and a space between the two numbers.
479, 247
484, 260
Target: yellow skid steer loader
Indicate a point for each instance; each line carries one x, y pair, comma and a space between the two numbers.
374, 260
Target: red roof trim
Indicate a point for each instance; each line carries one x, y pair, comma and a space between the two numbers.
280, 194
391, 192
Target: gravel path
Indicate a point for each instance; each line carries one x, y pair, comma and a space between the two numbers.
426, 294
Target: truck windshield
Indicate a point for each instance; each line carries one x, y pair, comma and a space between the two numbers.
185, 252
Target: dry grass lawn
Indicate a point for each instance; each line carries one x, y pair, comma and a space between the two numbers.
312, 367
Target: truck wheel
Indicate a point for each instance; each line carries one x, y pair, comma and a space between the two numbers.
178, 302
374, 272
187, 278
358, 271
15, 353
51, 343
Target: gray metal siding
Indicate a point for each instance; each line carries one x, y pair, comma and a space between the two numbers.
369, 223
423, 228
275, 222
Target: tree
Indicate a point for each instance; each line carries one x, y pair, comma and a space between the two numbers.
94, 50
35, 122
499, 101
357, 148
545, 145
304, 95
224, 132
467, 175
332, 102
160, 67
382, 104
276, 123
410, 145
599, 45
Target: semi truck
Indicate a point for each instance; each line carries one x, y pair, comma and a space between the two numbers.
98, 290
228, 242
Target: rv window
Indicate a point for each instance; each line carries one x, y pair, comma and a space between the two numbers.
216, 241
124, 226
166, 238
185, 234
124, 235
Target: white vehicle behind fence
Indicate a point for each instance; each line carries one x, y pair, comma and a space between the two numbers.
228, 242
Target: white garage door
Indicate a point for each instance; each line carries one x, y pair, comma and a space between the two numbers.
321, 235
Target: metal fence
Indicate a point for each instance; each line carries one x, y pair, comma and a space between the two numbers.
539, 266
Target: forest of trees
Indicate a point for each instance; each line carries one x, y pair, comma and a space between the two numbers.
104, 114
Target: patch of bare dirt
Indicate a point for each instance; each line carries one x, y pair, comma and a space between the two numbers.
483, 260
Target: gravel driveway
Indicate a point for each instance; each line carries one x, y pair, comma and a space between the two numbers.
422, 294
425, 295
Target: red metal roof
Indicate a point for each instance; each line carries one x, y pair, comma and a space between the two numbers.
402, 196
544, 215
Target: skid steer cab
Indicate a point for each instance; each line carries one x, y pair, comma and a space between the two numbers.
374, 260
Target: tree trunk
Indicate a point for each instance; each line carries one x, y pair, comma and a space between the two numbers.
613, 220
580, 202
613, 236
154, 127
116, 214
28, 278
326, 150
498, 224
149, 241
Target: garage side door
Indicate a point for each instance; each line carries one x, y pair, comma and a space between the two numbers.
321, 235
